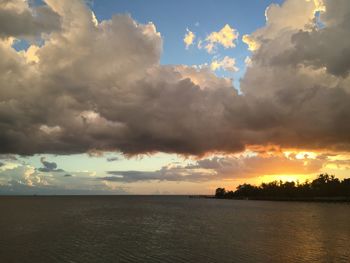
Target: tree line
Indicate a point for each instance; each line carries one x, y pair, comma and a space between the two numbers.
324, 186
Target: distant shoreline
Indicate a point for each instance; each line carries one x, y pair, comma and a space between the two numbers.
325, 188
311, 199
340, 199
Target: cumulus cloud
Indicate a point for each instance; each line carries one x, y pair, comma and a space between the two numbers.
307, 92
281, 20
189, 38
227, 63
327, 48
225, 37
95, 86
19, 178
18, 19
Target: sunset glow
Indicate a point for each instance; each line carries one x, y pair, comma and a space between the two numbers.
99, 97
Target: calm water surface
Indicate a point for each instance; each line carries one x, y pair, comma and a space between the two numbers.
171, 229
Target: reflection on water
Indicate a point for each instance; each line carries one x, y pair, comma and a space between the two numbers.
171, 229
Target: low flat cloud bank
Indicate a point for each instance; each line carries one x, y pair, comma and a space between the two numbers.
223, 168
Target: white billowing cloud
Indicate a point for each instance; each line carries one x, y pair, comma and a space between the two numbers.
225, 37
189, 38
292, 15
285, 53
99, 86
227, 63
20, 178
21, 174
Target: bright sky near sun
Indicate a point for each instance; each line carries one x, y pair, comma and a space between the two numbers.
230, 137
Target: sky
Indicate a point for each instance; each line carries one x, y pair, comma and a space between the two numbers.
171, 97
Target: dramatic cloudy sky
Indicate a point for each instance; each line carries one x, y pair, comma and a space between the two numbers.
171, 97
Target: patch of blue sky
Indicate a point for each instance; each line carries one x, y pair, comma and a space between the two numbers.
319, 22
100, 164
202, 17
21, 44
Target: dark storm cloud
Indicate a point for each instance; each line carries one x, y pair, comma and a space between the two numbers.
112, 159
100, 87
48, 166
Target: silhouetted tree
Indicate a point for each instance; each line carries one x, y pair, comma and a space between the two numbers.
220, 193
323, 186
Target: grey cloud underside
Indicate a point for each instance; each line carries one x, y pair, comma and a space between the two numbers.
101, 87
46, 170
27, 22
329, 47
8, 157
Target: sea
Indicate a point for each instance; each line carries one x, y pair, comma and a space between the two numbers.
171, 229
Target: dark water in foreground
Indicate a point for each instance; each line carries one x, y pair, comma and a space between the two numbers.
171, 229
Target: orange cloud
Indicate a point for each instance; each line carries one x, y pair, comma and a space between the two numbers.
189, 38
